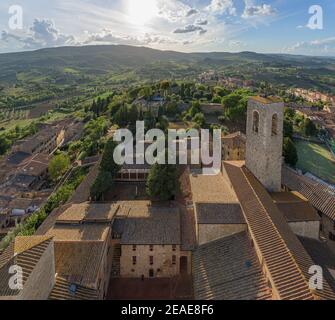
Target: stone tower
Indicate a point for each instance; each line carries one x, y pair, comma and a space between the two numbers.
264, 146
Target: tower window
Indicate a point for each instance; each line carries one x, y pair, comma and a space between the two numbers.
255, 125
274, 125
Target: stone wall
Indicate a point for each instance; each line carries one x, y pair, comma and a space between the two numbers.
264, 150
327, 227
162, 262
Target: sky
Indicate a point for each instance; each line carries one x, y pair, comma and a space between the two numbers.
277, 26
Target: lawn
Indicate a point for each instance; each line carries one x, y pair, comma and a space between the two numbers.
316, 159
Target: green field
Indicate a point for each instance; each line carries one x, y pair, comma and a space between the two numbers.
316, 159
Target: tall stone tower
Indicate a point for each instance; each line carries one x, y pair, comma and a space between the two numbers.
264, 147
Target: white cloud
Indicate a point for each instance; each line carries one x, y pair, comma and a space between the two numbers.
191, 12
221, 7
43, 33
315, 47
257, 11
201, 22
190, 28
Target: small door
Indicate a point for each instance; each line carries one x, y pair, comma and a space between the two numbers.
151, 273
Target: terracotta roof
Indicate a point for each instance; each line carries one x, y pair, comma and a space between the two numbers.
161, 227
79, 262
294, 208
228, 269
62, 291
219, 213
82, 232
29, 253
320, 195
266, 100
209, 188
88, 212
323, 256
283, 255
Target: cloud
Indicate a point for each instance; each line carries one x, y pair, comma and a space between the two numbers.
43, 33
315, 47
191, 12
222, 6
256, 11
201, 22
173, 10
189, 28
106, 36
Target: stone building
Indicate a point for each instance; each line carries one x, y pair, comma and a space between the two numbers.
321, 197
264, 140
149, 238
234, 146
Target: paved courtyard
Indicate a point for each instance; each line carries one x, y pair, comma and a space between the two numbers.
150, 289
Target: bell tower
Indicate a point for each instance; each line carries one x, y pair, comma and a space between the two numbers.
264, 148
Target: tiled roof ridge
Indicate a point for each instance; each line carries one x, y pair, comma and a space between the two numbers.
276, 229
264, 240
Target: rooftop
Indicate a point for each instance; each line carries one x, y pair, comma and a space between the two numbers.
266, 100
160, 227
276, 243
321, 196
208, 188
295, 208
94, 212
219, 213
79, 262
228, 269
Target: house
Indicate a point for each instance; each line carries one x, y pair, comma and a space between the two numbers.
320, 196
149, 254
45, 141
234, 146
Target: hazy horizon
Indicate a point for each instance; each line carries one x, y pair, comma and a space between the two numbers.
274, 26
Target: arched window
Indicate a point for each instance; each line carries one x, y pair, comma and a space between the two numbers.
255, 125
274, 131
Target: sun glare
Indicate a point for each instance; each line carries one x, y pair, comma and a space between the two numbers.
141, 11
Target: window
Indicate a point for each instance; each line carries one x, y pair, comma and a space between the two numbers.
331, 236
274, 131
255, 125
134, 260
151, 248
134, 247
151, 260
174, 248
174, 260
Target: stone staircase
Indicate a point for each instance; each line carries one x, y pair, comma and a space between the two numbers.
116, 270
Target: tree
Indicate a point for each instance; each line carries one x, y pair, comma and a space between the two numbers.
58, 166
101, 185
4, 144
309, 128
162, 182
107, 163
231, 100
199, 119
290, 152
288, 129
